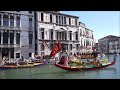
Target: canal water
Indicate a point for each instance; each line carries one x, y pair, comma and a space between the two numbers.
49, 71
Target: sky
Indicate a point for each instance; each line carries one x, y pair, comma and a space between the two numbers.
102, 23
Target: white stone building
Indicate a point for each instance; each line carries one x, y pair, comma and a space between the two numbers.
16, 34
52, 26
86, 39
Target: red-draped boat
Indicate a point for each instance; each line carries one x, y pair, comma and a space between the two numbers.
58, 48
86, 67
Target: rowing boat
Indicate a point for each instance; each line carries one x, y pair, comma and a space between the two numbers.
85, 67
25, 65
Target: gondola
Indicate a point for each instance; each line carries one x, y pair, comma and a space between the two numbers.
15, 66
86, 67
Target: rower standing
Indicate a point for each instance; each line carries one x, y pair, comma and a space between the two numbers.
64, 57
95, 54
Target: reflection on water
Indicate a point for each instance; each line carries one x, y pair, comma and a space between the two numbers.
52, 72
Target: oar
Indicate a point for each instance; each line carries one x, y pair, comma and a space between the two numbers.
115, 57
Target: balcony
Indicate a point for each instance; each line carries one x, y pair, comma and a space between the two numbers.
62, 41
4, 27
10, 27
9, 45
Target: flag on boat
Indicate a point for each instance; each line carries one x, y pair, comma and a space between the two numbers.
56, 49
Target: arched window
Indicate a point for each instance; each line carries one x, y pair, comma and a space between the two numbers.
70, 35
30, 23
56, 19
11, 37
50, 18
30, 38
76, 36
18, 21
59, 19
5, 20
0, 20
65, 20
42, 33
87, 43
5, 37
51, 34
75, 22
62, 20
42, 17
18, 38
0, 37
69, 21
11, 21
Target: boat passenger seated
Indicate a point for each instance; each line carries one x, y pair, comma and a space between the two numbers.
98, 63
83, 63
77, 57
70, 56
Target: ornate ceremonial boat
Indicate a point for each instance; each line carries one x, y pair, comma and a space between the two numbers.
86, 67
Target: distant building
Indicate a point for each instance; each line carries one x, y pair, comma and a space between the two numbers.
16, 34
114, 46
103, 43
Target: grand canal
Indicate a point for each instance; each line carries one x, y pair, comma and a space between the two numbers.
49, 71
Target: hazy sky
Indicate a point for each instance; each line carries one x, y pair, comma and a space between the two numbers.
102, 23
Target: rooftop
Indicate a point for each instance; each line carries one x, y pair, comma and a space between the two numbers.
60, 13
